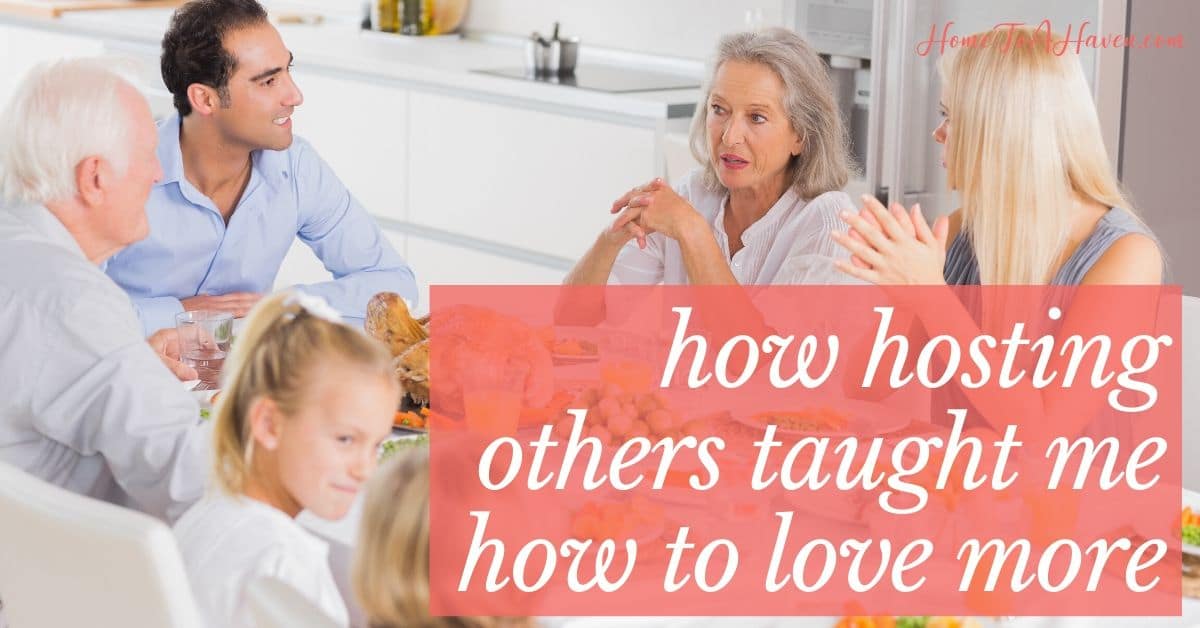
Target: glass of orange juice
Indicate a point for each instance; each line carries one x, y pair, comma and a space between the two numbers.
493, 395
631, 375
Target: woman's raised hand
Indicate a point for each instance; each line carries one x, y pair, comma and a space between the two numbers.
893, 246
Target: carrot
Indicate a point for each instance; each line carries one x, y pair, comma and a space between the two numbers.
409, 419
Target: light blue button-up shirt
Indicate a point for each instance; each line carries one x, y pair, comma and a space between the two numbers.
291, 194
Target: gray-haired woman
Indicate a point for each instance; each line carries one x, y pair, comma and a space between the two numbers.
762, 208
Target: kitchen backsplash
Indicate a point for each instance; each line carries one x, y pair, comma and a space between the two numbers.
675, 28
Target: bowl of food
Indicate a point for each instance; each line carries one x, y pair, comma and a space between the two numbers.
1189, 523
637, 519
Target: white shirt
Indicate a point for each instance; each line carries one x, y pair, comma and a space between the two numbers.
228, 542
84, 402
790, 244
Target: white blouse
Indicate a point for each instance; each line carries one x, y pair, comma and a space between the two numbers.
227, 542
791, 244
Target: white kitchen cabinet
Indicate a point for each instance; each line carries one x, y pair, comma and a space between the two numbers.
300, 266
433, 262
440, 263
531, 179
358, 129
21, 48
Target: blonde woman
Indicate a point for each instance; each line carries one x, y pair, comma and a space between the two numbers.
306, 402
391, 560
1040, 206
763, 206
1040, 202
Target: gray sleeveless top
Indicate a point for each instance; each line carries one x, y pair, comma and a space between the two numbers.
962, 269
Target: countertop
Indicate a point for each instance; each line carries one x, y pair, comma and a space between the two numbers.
438, 63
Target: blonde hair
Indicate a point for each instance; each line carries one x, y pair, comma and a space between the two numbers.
274, 357
1025, 140
824, 165
391, 559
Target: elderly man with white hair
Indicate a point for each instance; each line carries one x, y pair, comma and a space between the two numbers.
85, 401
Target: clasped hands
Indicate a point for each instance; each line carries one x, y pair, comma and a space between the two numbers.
651, 208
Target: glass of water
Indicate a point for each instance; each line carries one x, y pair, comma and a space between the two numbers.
204, 337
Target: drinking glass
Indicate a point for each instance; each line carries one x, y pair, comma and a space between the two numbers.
204, 338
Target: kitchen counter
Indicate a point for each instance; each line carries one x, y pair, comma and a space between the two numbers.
440, 64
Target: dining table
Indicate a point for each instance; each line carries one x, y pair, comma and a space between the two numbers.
341, 536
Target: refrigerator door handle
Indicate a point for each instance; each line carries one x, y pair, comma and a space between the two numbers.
878, 116
894, 147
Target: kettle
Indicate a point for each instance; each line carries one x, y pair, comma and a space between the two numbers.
551, 57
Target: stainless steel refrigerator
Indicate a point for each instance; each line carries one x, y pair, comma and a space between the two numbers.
889, 91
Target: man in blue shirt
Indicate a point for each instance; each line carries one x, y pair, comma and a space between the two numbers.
238, 187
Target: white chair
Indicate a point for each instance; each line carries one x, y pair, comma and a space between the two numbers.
68, 560
1191, 393
274, 604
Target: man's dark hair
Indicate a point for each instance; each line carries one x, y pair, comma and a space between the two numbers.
193, 50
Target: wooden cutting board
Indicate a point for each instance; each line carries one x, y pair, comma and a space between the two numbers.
55, 8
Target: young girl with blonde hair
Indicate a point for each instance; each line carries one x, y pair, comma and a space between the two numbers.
391, 560
306, 401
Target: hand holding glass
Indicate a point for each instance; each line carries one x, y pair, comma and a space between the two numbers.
204, 337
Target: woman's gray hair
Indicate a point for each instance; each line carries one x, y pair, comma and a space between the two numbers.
62, 113
824, 164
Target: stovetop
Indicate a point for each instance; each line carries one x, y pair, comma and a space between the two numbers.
604, 78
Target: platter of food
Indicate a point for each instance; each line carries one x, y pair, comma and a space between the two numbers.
569, 346
412, 421
571, 351
637, 518
916, 621
846, 418
1189, 523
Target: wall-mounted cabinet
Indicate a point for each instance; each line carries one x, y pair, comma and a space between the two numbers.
23, 48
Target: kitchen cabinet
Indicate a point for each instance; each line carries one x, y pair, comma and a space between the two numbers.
358, 128
433, 262
300, 266
442, 263
526, 178
21, 48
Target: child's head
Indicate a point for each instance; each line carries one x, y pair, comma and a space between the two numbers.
305, 403
391, 565
391, 560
